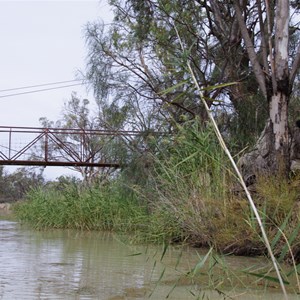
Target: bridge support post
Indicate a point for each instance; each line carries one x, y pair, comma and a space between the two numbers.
46, 145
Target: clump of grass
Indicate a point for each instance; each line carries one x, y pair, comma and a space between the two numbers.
192, 182
278, 200
192, 185
96, 208
162, 226
276, 197
192, 201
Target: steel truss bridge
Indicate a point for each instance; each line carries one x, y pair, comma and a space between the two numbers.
61, 147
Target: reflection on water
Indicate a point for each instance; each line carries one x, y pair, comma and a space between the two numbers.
65, 264
86, 265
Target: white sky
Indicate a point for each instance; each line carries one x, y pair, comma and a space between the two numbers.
42, 42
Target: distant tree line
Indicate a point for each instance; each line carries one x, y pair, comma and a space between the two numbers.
14, 186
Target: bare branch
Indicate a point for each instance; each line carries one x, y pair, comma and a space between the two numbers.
263, 37
259, 74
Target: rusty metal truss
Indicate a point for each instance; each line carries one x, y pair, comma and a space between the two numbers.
60, 147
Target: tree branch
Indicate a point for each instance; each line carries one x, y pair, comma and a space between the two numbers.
260, 77
264, 51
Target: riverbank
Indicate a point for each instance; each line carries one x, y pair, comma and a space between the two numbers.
185, 196
200, 222
100, 265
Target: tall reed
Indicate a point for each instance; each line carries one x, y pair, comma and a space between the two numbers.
96, 208
192, 182
236, 169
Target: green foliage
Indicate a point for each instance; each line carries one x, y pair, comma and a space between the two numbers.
186, 195
113, 207
14, 186
278, 201
91, 148
96, 208
243, 127
139, 54
191, 188
217, 276
162, 226
191, 182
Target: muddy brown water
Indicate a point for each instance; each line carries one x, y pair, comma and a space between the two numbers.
61, 264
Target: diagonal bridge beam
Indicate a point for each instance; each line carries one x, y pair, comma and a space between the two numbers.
58, 146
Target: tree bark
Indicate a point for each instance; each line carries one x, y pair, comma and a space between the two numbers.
271, 153
278, 109
280, 131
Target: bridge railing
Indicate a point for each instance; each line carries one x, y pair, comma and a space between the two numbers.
61, 146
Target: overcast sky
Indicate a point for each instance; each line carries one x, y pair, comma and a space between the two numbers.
42, 42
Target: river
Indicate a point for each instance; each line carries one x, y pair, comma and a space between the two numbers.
66, 264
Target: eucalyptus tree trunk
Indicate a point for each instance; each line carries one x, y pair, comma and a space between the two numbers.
279, 132
271, 153
278, 109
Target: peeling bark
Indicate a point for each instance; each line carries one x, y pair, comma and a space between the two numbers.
279, 119
272, 151
281, 47
258, 161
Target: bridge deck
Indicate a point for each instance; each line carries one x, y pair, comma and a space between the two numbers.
58, 163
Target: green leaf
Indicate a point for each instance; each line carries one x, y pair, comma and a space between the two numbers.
164, 251
135, 254
172, 88
294, 269
158, 281
267, 277
291, 239
186, 159
173, 287
218, 86
279, 233
201, 263
178, 259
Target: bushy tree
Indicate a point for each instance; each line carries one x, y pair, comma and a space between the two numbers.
79, 126
107, 134
14, 186
247, 42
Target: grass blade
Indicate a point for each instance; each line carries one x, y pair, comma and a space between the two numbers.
201, 263
164, 251
267, 277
